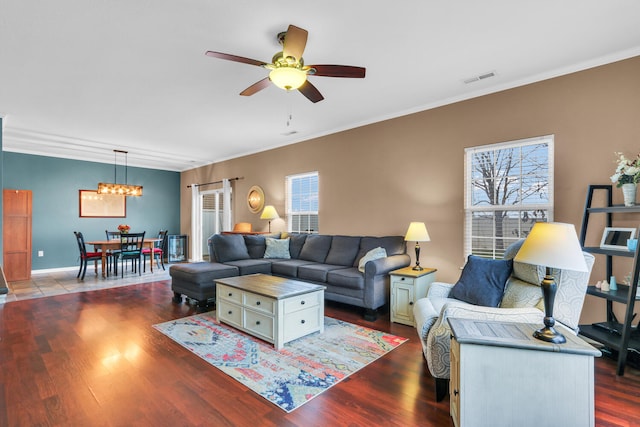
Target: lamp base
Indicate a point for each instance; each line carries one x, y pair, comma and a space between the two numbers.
417, 268
549, 334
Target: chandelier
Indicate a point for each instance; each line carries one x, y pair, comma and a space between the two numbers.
119, 189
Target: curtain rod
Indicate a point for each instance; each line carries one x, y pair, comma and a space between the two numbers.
216, 182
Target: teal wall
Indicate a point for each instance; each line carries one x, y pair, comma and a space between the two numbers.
55, 183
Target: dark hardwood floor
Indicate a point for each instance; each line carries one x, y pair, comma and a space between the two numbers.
93, 359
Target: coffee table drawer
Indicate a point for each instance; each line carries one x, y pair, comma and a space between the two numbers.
302, 322
259, 324
230, 313
259, 303
301, 302
228, 293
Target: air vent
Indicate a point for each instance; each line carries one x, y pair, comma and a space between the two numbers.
479, 77
291, 132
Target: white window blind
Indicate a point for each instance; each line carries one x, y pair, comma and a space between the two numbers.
302, 203
508, 188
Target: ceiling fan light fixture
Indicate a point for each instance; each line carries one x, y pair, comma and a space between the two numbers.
288, 78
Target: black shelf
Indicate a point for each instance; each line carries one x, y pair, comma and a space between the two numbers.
619, 295
622, 338
609, 334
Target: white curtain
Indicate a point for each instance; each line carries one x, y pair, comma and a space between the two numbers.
226, 203
196, 224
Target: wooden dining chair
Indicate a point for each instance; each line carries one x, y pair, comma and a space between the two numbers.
112, 257
85, 256
158, 251
131, 249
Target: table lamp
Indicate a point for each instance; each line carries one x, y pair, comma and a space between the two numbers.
269, 213
553, 245
417, 232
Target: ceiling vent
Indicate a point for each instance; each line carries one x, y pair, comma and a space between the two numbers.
479, 77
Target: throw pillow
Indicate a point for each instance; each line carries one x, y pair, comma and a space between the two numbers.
482, 281
373, 254
277, 248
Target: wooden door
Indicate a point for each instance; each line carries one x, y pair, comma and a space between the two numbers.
16, 232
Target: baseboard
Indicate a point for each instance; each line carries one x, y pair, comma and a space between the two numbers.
53, 270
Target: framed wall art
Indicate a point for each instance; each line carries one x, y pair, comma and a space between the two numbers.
94, 205
616, 238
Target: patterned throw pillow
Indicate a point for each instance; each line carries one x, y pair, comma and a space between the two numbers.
277, 248
373, 254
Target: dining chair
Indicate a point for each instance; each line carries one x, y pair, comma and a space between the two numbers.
158, 250
112, 258
131, 249
85, 256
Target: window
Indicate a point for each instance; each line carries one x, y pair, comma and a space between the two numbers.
508, 188
302, 203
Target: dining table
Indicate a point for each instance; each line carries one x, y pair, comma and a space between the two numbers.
105, 245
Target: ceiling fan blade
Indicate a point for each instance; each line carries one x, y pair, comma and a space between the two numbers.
338, 71
256, 87
310, 91
294, 42
235, 58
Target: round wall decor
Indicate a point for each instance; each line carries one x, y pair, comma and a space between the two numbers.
255, 199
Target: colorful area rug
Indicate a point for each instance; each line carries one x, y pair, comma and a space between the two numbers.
297, 373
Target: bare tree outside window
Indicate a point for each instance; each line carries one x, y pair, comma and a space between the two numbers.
508, 189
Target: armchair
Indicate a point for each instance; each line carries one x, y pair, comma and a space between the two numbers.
521, 303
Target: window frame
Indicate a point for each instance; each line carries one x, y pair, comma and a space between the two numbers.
289, 180
469, 209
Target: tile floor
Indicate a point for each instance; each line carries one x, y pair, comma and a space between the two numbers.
61, 282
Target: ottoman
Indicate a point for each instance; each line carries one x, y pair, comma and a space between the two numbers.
197, 281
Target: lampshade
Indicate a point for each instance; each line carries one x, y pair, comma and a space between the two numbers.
417, 232
288, 78
269, 213
554, 245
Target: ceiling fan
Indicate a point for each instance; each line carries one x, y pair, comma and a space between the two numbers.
287, 67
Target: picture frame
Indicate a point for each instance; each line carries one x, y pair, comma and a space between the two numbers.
94, 205
616, 238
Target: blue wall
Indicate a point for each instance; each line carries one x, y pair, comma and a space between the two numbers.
55, 183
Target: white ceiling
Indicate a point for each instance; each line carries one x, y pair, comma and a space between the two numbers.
80, 78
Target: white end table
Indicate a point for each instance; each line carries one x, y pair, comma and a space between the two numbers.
502, 376
408, 286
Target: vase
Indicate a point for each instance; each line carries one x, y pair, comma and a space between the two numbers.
629, 194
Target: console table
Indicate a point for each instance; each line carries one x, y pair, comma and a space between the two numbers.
502, 376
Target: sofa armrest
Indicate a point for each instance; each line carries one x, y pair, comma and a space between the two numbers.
439, 290
469, 311
385, 265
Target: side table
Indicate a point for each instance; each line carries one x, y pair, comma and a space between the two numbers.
502, 376
407, 286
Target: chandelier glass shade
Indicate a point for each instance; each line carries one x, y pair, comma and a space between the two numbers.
119, 189
288, 78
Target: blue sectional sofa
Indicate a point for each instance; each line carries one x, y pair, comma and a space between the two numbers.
331, 261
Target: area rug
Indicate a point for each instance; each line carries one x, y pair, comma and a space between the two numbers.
297, 373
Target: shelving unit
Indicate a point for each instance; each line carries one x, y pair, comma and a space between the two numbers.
619, 336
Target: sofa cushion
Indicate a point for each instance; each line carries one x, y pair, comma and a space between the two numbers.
229, 247
277, 248
316, 272
287, 267
373, 254
519, 294
315, 248
251, 266
256, 245
296, 241
343, 250
346, 277
482, 281
394, 245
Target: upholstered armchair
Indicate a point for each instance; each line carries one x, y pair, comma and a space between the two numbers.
521, 302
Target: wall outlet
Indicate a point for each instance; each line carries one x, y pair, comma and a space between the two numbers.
40, 253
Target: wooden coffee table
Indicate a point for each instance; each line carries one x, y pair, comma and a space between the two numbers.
271, 308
